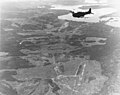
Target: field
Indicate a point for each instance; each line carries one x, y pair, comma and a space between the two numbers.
43, 55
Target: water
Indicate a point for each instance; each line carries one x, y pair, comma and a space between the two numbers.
113, 21
63, 7
3, 54
91, 18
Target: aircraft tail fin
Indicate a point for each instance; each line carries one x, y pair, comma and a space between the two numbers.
89, 10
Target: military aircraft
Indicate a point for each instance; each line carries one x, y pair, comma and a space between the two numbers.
81, 14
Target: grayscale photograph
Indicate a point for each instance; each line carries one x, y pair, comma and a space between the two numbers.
59, 47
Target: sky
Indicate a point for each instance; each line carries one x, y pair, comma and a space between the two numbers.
15, 0
115, 3
90, 1
51, 0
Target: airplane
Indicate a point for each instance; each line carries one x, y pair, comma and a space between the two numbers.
81, 14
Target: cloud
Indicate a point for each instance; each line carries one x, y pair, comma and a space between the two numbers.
65, 2
96, 1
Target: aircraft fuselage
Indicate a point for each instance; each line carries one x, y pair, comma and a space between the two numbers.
79, 14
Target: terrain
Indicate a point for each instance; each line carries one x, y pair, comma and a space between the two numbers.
41, 54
